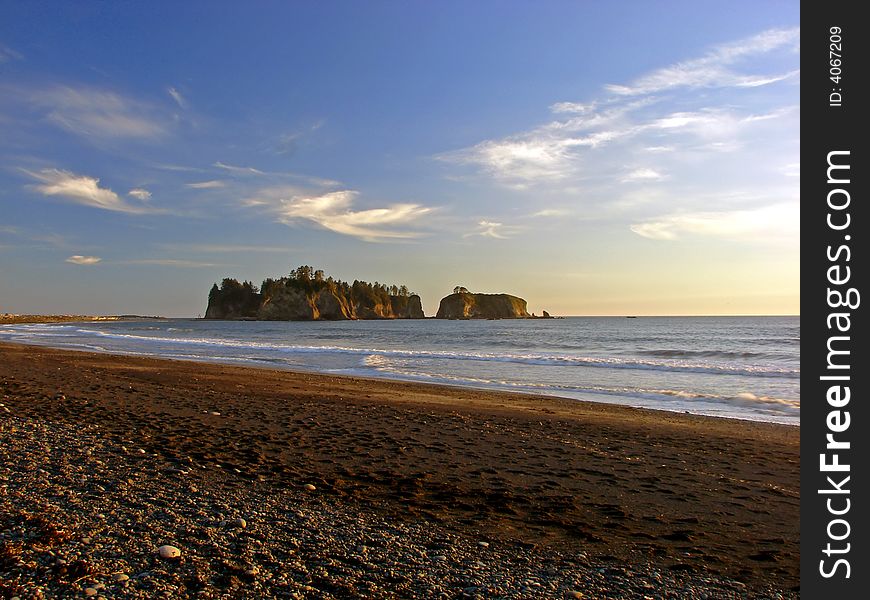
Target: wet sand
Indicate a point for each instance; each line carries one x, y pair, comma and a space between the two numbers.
684, 493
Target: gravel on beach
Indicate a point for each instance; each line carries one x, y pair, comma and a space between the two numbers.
84, 516
134, 477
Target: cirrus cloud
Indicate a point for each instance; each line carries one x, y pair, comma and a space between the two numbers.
334, 211
771, 222
97, 113
713, 69
140, 194
78, 259
81, 189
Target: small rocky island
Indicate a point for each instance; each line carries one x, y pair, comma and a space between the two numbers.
308, 295
462, 304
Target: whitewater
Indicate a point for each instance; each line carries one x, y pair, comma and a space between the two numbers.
738, 367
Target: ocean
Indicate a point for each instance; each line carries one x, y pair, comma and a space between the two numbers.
739, 367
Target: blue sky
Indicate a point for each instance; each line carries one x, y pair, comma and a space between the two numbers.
592, 157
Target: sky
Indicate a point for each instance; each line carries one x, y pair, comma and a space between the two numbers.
594, 158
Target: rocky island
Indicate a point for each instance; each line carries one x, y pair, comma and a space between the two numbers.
308, 295
462, 304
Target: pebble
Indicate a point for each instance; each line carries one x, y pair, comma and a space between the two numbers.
298, 546
91, 591
239, 523
169, 552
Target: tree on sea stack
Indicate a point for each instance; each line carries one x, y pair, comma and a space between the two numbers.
460, 290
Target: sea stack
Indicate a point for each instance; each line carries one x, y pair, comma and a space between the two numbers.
465, 305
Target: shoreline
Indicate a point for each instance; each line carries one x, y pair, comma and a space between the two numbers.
519, 390
706, 496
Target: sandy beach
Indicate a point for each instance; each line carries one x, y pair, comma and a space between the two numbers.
604, 501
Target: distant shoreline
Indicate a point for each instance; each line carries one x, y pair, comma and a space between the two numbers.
14, 319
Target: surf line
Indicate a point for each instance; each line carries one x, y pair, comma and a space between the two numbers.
840, 301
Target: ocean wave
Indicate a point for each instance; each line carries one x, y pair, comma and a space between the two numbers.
535, 359
788, 406
727, 354
699, 354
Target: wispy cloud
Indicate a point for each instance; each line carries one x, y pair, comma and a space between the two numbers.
42, 239
643, 174
81, 189
96, 113
551, 212
206, 185
713, 69
181, 168
520, 159
572, 107
493, 229
760, 224
287, 143
586, 136
176, 95
78, 259
228, 248
171, 262
7, 54
140, 194
239, 170
334, 211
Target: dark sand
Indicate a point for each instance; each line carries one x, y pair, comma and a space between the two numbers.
682, 492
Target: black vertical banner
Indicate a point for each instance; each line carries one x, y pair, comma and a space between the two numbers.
835, 562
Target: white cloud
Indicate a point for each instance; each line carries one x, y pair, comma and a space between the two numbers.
96, 113
206, 185
239, 170
82, 190
333, 211
78, 259
176, 95
644, 174
493, 229
140, 194
584, 140
551, 212
712, 69
760, 224
572, 107
523, 159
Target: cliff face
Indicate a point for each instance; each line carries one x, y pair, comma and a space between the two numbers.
284, 303
407, 307
465, 305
